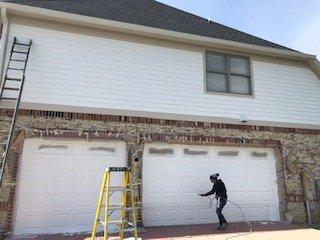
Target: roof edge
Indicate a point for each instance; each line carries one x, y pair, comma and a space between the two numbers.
60, 16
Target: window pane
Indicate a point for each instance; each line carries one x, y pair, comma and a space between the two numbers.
216, 63
216, 82
239, 65
239, 84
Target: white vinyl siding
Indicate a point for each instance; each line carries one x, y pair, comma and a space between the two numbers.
76, 72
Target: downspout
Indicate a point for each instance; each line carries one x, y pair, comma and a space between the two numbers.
4, 40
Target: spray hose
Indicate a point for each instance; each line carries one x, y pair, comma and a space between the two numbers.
243, 216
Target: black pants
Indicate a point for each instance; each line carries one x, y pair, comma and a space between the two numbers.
222, 203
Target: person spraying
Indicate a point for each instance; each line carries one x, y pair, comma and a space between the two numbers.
221, 195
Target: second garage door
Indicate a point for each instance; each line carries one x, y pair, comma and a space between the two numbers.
173, 175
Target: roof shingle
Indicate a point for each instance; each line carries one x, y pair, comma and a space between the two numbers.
149, 13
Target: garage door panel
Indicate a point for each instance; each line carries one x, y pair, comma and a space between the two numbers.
166, 216
234, 182
189, 214
188, 167
250, 180
236, 194
86, 184
268, 196
84, 201
170, 184
189, 199
35, 187
59, 185
267, 182
153, 199
224, 167
267, 165
253, 196
253, 181
35, 168
81, 221
58, 201
35, 204
170, 169
189, 184
62, 184
32, 223
253, 168
171, 199
205, 168
206, 215
203, 183
170, 214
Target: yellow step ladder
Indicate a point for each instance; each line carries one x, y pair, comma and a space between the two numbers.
127, 205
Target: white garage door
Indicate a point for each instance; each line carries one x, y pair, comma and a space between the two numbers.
59, 183
173, 175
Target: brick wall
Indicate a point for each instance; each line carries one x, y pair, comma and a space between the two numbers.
297, 150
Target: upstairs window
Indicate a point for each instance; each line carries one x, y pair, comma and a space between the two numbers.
228, 74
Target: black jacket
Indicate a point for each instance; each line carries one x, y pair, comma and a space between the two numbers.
219, 189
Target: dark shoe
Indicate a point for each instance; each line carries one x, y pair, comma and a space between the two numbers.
218, 227
224, 226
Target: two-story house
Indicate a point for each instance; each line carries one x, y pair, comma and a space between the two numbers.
174, 96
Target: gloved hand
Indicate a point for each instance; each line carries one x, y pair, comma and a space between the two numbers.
201, 195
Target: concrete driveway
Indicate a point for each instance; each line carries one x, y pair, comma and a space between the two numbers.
237, 231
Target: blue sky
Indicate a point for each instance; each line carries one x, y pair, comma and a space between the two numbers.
293, 23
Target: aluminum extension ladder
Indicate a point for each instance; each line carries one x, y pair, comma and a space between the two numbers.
127, 205
12, 85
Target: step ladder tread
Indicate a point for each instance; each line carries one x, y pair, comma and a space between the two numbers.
116, 222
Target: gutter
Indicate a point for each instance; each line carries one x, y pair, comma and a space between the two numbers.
92, 22
4, 39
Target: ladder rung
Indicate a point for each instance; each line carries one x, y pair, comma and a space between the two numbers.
9, 98
13, 79
22, 44
4, 131
16, 69
19, 52
11, 88
17, 60
3, 143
